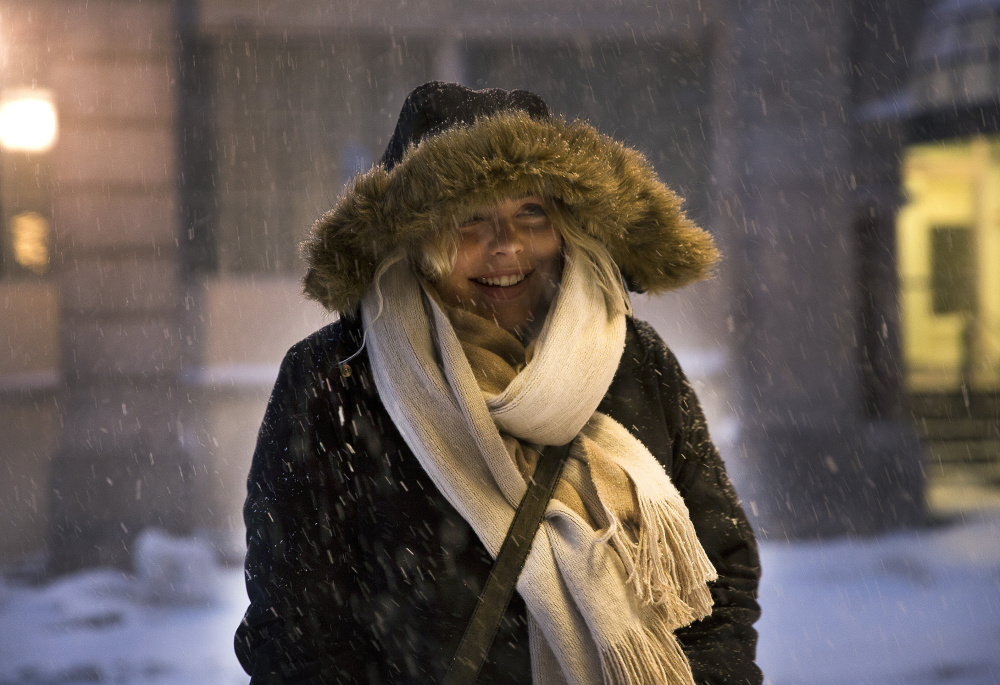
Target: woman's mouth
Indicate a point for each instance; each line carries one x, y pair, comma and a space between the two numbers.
503, 287
501, 281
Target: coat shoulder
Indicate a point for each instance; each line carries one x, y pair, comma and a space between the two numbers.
330, 346
651, 352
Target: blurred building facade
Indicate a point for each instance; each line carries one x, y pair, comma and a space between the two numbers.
199, 140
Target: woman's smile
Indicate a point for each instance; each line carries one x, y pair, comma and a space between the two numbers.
505, 287
501, 281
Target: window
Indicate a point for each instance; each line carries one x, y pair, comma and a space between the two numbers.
952, 270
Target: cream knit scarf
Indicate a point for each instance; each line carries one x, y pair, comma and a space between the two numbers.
606, 584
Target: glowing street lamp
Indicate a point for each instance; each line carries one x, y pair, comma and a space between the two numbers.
28, 121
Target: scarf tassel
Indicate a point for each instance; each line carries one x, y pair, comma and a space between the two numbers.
666, 564
647, 655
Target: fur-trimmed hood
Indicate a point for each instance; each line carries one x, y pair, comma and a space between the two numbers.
611, 191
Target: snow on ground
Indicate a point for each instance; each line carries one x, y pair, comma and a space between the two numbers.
912, 608
171, 624
919, 607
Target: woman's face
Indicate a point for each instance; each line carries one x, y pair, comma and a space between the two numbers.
508, 265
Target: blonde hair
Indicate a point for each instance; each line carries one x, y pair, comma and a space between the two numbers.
436, 260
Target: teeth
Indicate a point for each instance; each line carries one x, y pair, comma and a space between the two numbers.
501, 281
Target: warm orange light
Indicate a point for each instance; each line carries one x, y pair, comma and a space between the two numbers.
28, 121
31, 241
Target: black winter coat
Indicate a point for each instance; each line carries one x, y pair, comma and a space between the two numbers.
359, 571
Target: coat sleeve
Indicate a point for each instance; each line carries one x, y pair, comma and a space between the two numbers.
299, 514
722, 647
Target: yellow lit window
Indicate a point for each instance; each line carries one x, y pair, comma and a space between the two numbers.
30, 239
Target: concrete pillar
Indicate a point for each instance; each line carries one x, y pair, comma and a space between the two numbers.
814, 461
120, 467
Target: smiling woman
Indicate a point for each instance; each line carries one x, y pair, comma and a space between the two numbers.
485, 322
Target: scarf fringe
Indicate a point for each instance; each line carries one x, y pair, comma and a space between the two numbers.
666, 565
648, 655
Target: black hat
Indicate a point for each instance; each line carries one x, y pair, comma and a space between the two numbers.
437, 106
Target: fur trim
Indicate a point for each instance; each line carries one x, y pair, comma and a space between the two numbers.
611, 190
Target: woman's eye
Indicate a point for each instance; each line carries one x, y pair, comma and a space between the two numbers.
533, 210
471, 221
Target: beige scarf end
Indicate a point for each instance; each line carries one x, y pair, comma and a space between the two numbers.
666, 565
651, 655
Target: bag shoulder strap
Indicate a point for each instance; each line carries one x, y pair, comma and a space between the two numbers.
482, 627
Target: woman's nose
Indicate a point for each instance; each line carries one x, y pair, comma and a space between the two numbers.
506, 238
